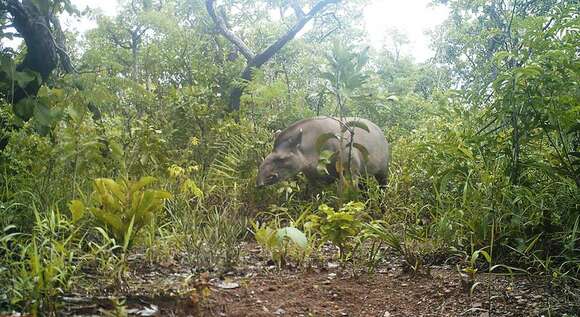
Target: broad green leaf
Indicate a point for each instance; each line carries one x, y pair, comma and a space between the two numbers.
24, 78
264, 235
162, 194
143, 181
104, 194
43, 115
190, 187
77, 209
148, 203
24, 109
111, 220
501, 55
363, 57
295, 235
136, 201
113, 187
43, 91
59, 93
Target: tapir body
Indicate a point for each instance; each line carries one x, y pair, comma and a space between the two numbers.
298, 148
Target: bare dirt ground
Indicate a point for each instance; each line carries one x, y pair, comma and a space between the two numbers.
256, 288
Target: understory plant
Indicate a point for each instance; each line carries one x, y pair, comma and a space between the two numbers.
406, 243
122, 208
339, 227
37, 267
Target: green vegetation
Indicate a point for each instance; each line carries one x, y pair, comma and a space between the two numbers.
147, 144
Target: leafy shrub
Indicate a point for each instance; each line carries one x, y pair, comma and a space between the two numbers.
339, 227
123, 207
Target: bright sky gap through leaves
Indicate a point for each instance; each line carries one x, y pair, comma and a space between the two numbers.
412, 17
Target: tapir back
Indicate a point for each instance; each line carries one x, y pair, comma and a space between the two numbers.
310, 130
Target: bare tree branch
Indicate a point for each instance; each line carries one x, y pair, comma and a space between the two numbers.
297, 9
117, 41
256, 61
227, 33
60, 44
276, 46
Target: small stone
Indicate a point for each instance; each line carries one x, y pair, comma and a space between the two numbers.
227, 285
387, 314
332, 265
279, 311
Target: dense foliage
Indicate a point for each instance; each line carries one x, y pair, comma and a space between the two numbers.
486, 142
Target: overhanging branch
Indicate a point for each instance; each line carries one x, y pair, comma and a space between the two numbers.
223, 29
297, 9
276, 46
256, 61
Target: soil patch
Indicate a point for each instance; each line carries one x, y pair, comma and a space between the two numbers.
256, 288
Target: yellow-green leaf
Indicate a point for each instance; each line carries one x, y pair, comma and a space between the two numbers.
77, 209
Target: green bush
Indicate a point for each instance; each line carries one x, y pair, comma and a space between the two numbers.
339, 227
123, 207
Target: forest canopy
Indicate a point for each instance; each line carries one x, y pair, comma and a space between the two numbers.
144, 136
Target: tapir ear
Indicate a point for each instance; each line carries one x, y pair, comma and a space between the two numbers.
277, 133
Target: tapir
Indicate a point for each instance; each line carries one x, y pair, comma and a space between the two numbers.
298, 149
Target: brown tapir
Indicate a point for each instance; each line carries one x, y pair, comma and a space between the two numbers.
298, 148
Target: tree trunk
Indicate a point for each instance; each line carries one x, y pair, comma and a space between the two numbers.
42, 53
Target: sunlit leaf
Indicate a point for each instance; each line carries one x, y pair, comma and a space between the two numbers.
295, 235
77, 209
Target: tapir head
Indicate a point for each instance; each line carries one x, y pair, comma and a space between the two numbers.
285, 161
